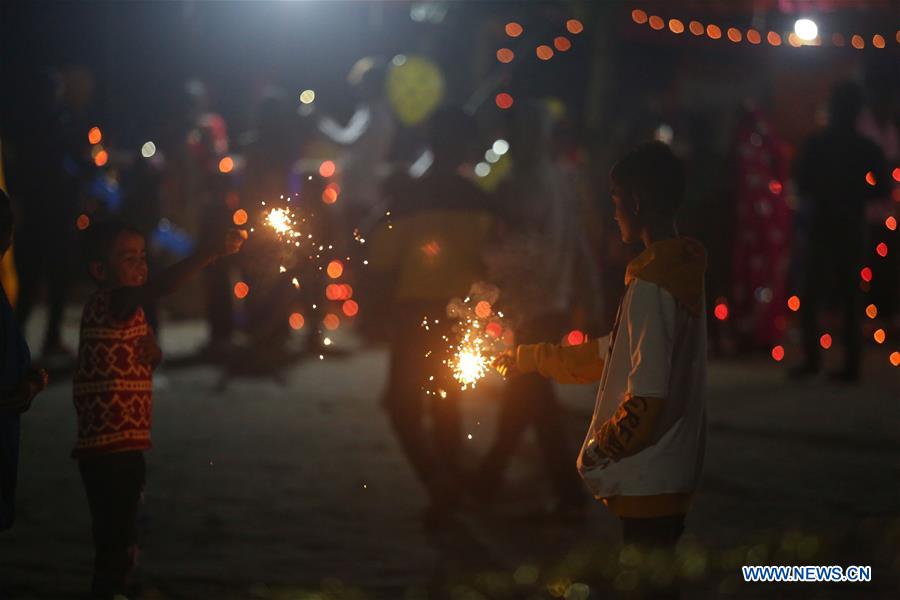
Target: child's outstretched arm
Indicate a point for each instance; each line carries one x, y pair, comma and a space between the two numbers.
565, 364
126, 299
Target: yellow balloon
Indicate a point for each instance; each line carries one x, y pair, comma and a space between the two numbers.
415, 88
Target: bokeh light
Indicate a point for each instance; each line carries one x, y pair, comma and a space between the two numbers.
721, 311
696, 27
794, 40
544, 52
239, 217
562, 44
513, 29
778, 353
734, 34
676, 26
773, 38
335, 269
331, 321
753, 36
895, 359
504, 100
327, 168
350, 308
95, 135
241, 290
483, 309
575, 337
806, 29
881, 249
574, 26
825, 341
870, 178
857, 42
331, 193
226, 165
838, 40
794, 303
657, 23
296, 321
639, 16
896, 174
505, 55
866, 274
878, 41
148, 149
713, 32
82, 222
307, 96
891, 223
879, 336
871, 311
775, 187
101, 158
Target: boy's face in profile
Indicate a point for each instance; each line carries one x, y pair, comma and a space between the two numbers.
629, 224
127, 262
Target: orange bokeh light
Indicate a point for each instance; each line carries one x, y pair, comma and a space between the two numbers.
494, 330
562, 44
657, 23
870, 178
350, 308
878, 41
794, 40
513, 29
871, 311
696, 27
753, 36
296, 321
879, 336
825, 341
331, 321
95, 135
881, 249
778, 353
575, 337
226, 165
574, 26
330, 195
775, 187
773, 38
891, 223
241, 290
857, 42
676, 26
721, 311
895, 359
101, 158
332, 291
239, 217
505, 55
483, 309
713, 31
82, 222
896, 174
544, 52
327, 168
503, 100
335, 269
734, 35
639, 16
794, 303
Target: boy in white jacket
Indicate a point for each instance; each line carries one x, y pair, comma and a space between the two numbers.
643, 453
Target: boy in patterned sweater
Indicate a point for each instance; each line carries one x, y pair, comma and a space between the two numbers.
113, 388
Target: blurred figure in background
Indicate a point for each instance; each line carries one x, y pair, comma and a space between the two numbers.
837, 172
535, 267
368, 138
432, 252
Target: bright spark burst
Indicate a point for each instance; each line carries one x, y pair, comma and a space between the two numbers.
469, 364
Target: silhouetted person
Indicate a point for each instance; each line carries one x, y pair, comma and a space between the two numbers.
542, 245
834, 174
430, 254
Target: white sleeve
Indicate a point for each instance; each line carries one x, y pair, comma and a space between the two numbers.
650, 327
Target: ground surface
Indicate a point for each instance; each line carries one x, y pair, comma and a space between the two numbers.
300, 491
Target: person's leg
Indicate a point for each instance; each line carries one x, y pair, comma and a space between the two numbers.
114, 484
655, 540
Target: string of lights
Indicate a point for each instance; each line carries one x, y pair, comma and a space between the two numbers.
805, 33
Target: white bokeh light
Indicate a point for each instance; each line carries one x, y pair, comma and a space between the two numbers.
148, 149
501, 147
806, 29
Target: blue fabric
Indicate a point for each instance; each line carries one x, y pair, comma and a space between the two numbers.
16, 360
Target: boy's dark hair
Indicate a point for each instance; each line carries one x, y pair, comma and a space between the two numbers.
6, 221
654, 174
100, 237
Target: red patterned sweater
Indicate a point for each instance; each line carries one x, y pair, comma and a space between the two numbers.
113, 391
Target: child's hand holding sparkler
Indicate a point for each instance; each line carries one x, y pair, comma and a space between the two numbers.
505, 364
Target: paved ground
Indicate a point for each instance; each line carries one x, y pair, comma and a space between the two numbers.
300, 491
